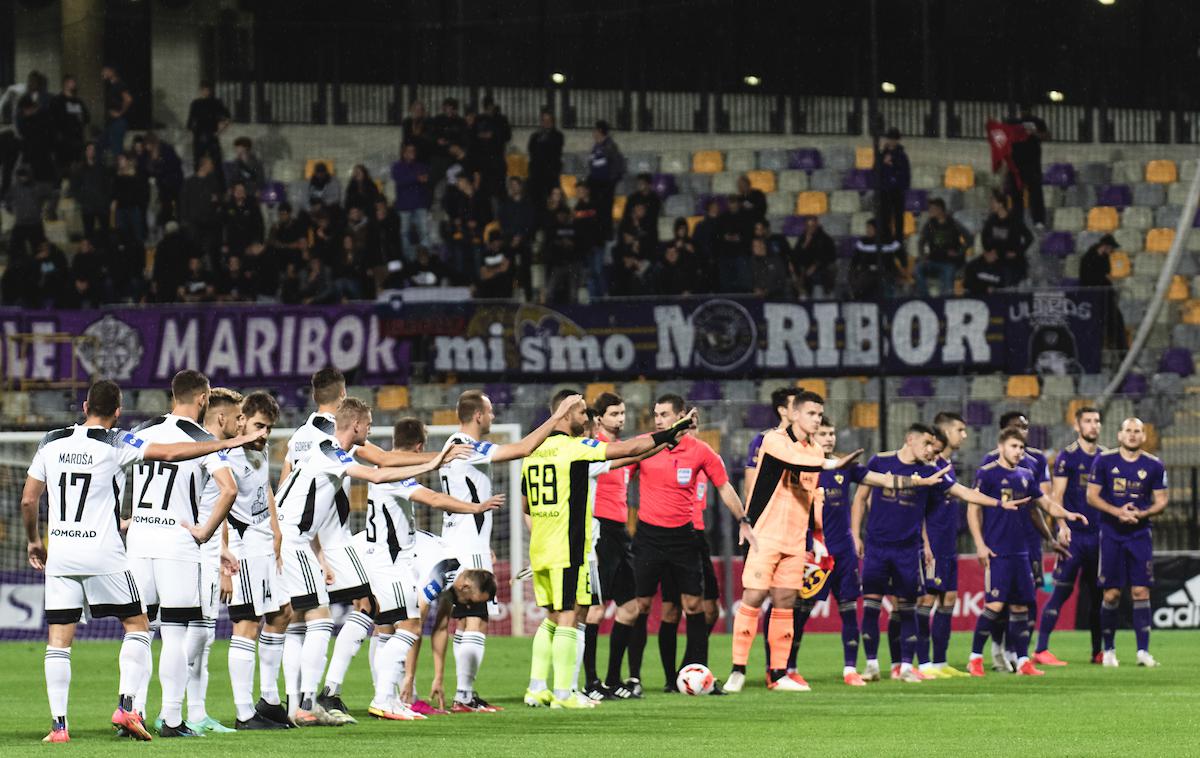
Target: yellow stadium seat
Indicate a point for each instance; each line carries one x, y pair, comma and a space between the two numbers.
814, 385
1103, 218
1152, 442
812, 204
595, 389
618, 211
1191, 312
692, 221
710, 436
1159, 240
910, 224
1180, 290
1074, 406
568, 182
1023, 386
1119, 264
864, 157
311, 164
445, 417
959, 176
1161, 172
763, 181
518, 164
708, 162
392, 398
864, 415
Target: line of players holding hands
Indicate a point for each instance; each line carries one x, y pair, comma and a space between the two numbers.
207, 527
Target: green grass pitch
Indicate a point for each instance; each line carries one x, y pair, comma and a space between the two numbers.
1081, 710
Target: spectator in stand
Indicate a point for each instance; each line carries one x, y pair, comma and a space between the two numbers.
87, 266
358, 227
1027, 155
425, 270
644, 194
234, 284
777, 244
81, 295
497, 276
1006, 233
384, 234
547, 213
417, 130
679, 273
51, 275
288, 238
117, 102
564, 261
70, 117
24, 201
197, 285
361, 190
241, 222
896, 178
492, 135
688, 255
1095, 270
245, 167
37, 144
207, 118
324, 189
707, 237
636, 221
316, 284
770, 277
161, 163
348, 277
589, 240
131, 194
985, 273
943, 248
171, 263
814, 261
501, 127
518, 223
262, 271
631, 273
199, 208
545, 150
324, 242
606, 167
749, 205
127, 262
467, 214
413, 197
733, 251
449, 128
91, 186
462, 164
876, 269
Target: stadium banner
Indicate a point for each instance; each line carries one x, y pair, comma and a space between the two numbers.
1019, 333
243, 345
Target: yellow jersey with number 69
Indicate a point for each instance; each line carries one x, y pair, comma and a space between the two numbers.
555, 483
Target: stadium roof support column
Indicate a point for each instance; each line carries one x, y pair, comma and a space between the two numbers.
83, 52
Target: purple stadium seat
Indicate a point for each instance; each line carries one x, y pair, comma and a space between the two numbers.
761, 417
664, 185
702, 203
845, 247
1177, 360
1135, 385
272, 194
916, 386
793, 226
540, 416
1196, 220
1061, 244
859, 179
979, 413
1068, 282
705, 391
805, 159
1059, 175
916, 201
1038, 436
1116, 195
500, 393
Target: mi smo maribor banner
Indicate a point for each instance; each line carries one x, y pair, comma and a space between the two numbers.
244, 345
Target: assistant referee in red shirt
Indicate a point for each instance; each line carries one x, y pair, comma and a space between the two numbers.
664, 545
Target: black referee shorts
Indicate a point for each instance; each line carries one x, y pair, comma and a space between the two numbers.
614, 562
666, 555
712, 591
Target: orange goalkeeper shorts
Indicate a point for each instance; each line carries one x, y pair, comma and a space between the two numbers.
767, 568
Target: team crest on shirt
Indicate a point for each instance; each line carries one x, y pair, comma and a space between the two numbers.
995, 592
1141, 473
683, 476
839, 478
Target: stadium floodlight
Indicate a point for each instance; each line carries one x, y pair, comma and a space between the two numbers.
751, 80
558, 77
1056, 96
1108, 2
888, 88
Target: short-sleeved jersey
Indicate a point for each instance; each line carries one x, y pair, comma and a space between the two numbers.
1004, 530
166, 496
469, 480
942, 514
612, 492
1035, 461
835, 510
701, 503
897, 514
1133, 482
83, 468
308, 499
436, 565
785, 491
390, 518
1075, 465
667, 481
318, 428
249, 519
556, 484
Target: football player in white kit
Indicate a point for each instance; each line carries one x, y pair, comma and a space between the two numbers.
81, 469
165, 559
349, 581
308, 502
390, 549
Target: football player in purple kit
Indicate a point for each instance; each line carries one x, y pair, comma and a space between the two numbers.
1071, 470
892, 549
1129, 487
1002, 546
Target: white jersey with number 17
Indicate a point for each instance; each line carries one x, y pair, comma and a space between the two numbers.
470, 480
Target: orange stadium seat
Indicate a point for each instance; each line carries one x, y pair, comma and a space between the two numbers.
311, 164
1190, 313
864, 415
1023, 386
1074, 406
595, 389
1103, 218
445, 417
763, 181
1159, 240
710, 436
692, 221
864, 157
959, 176
1180, 289
1161, 172
708, 162
518, 164
910, 224
1151, 444
618, 211
812, 204
392, 398
568, 182
814, 385
1119, 264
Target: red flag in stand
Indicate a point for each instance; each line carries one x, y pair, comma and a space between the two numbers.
1001, 137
